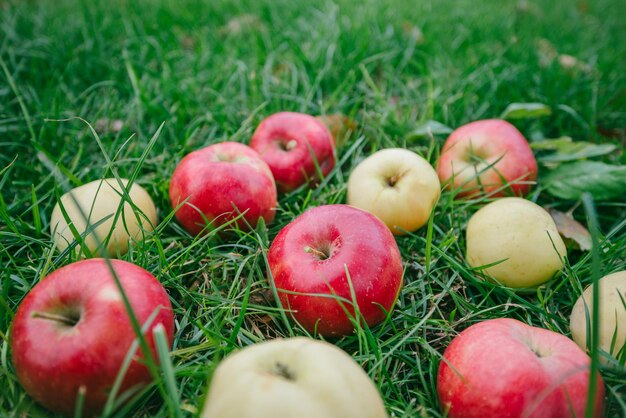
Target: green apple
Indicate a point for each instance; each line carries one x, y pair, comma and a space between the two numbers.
612, 309
398, 186
515, 242
99, 201
292, 378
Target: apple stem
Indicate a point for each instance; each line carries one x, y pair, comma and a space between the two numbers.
393, 180
288, 145
320, 254
282, 370
54, 317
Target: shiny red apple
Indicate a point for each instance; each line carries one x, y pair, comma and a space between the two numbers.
218, 183
489, 157
298, 148
73, 331
327, 255
503, 368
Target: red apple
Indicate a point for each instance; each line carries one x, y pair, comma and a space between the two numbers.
72, 330
297, 147
487, 157
327, 253
505, 368
219, 183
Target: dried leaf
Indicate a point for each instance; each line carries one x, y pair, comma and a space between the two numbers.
340, 126
571, 229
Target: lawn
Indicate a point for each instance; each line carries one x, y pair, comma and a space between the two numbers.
159, 79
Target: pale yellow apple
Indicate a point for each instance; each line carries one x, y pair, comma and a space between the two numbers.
612, 293
521, 237
100, 200
396, 185
292, 378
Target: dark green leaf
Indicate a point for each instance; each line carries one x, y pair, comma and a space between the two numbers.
526, 111
602, 181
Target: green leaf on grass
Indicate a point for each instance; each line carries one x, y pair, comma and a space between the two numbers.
526, 111
574, 151
602, 181
551, 144
430, 127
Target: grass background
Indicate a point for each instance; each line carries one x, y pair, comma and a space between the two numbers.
211, 71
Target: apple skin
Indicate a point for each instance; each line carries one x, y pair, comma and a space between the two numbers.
53, 359
478, 156
398, 186
612, 316
292, 378
504, 368
290, 143
216, 180
352, 240
519, 233
100, 199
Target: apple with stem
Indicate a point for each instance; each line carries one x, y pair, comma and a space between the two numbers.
72, 334
334, 266
504, 368
398, 186
487, 157
222, 183
288, 378
298, 148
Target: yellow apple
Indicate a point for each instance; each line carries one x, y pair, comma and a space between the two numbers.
518, 235
292, 378
100, 201
612, 293
398, 186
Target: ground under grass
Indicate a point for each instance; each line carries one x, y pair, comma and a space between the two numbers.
211, 71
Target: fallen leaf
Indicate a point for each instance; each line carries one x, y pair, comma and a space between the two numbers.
340, 126
526, 111
571, 229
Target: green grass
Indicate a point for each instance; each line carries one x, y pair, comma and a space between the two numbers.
211, 71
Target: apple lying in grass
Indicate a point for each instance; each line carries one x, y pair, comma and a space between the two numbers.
326, 255
487, 157
101, 204
518, 235
612, 307
297, 147
292, 378
398, 186
222, 183
504, 368
72, 331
